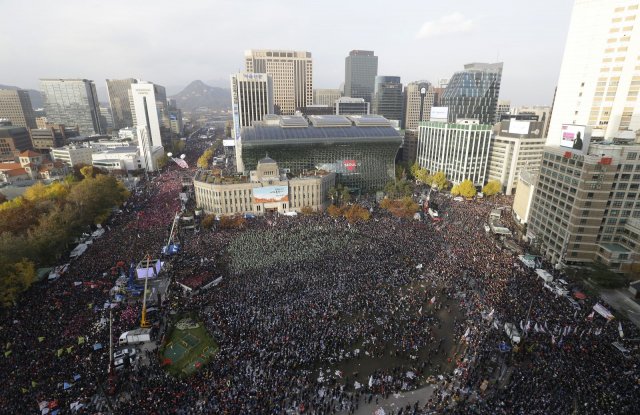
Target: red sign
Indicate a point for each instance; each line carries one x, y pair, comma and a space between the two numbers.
350, 165
605, 160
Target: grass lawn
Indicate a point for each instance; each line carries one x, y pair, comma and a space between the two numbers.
188, 348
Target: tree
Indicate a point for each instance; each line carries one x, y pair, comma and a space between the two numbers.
493, 187
356, 213
345, 195
467, 189
398, 188
333, 194
208, 221
15, 278
440, 180
205, 158
455, 190
334, 211
162, 161
3, 198
307, 210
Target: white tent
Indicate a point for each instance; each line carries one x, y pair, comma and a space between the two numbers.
78, 250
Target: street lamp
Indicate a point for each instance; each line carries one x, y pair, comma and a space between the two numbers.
423, 93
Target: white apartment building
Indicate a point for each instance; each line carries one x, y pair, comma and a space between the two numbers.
123, 158
326, 97
600, 75
251, 99
417, 95
73, 155
148, 105
517, 146
292, 73
460, 150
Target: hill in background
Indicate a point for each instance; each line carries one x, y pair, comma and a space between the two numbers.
36, 96
198, 94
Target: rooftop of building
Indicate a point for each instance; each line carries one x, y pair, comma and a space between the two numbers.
457, 125
216, 177
30, 153
324, 127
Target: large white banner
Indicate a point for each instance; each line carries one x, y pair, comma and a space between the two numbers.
271, 194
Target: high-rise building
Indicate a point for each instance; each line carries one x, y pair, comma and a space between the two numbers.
584, 208
252, 97
13, 140
15, 105
352, 106
517, 146
326, 97
387, 97
418, 99
52, 136
292, 73
72, 102
599, 78
503, 107
360, 71
149, 101
460, 150
119, 100
473, 93
542, 112
106, 118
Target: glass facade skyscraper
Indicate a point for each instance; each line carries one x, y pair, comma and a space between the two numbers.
119, 100
473, 93
387, 97
72, 102
361, 68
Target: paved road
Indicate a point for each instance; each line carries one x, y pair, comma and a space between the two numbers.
397, 401
621, 300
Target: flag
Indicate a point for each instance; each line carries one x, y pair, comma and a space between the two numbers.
590, 316
76, 377
553, 339
620, 330
66, 386
181, 163
433, 299
7, 353
80, 340
60, 351
33, 384
521, 325
69, 349
420, 310
40, 339
490, 314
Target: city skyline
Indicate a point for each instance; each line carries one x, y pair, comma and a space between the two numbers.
419, 41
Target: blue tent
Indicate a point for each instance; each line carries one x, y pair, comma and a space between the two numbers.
97, 346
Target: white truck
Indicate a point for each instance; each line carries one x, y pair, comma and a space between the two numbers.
512, 332
135, 336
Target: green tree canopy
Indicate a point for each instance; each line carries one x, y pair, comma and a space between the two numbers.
440, 180
467, 189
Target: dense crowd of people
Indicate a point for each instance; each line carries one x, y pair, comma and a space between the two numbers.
316, 315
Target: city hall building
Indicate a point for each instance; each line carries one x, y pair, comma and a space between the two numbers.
268, 189
360, 150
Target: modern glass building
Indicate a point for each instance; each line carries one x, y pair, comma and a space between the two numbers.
360, 149
361, 68
119, 100
473, 93
387, 97
72, 102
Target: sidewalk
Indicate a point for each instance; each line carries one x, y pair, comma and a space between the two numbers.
621, 300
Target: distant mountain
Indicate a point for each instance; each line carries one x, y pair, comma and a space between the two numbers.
198, 94
36, 96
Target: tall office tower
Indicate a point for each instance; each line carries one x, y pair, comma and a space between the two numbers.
503, 107
387, 97
251, 99
149, 102
326, 96
292, 73
473, 93
517, 147
360, 71
119, 100
460, 150
72, 102
106, 118
352, 106
542, 112
418, 99
15, 105
600, 74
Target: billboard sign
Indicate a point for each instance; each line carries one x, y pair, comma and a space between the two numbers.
228, 143
271, 194
518, 127
350, 165
439, 113
576, 137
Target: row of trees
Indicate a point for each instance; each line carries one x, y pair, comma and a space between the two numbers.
205, 159
402, 208
37, 228
352, 213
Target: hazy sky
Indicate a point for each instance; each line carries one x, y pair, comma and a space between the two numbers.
175, 42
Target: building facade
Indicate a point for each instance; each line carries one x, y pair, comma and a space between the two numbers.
361, 150
266, 190
51, 136
460, 150
326, 97
72, 155
13, 140
387, 97
517, 146
352, 106
360, 71
119, 100
473, 93
15, 105
292, 74
525, 189
599, 78
585, 206
542, 112
150, 108
72, 102
122, 158
418, 99
251, 99
503, 107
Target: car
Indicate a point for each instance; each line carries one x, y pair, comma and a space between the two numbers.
131, 352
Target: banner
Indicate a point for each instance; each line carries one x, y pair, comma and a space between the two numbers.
598, 308
271, 194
